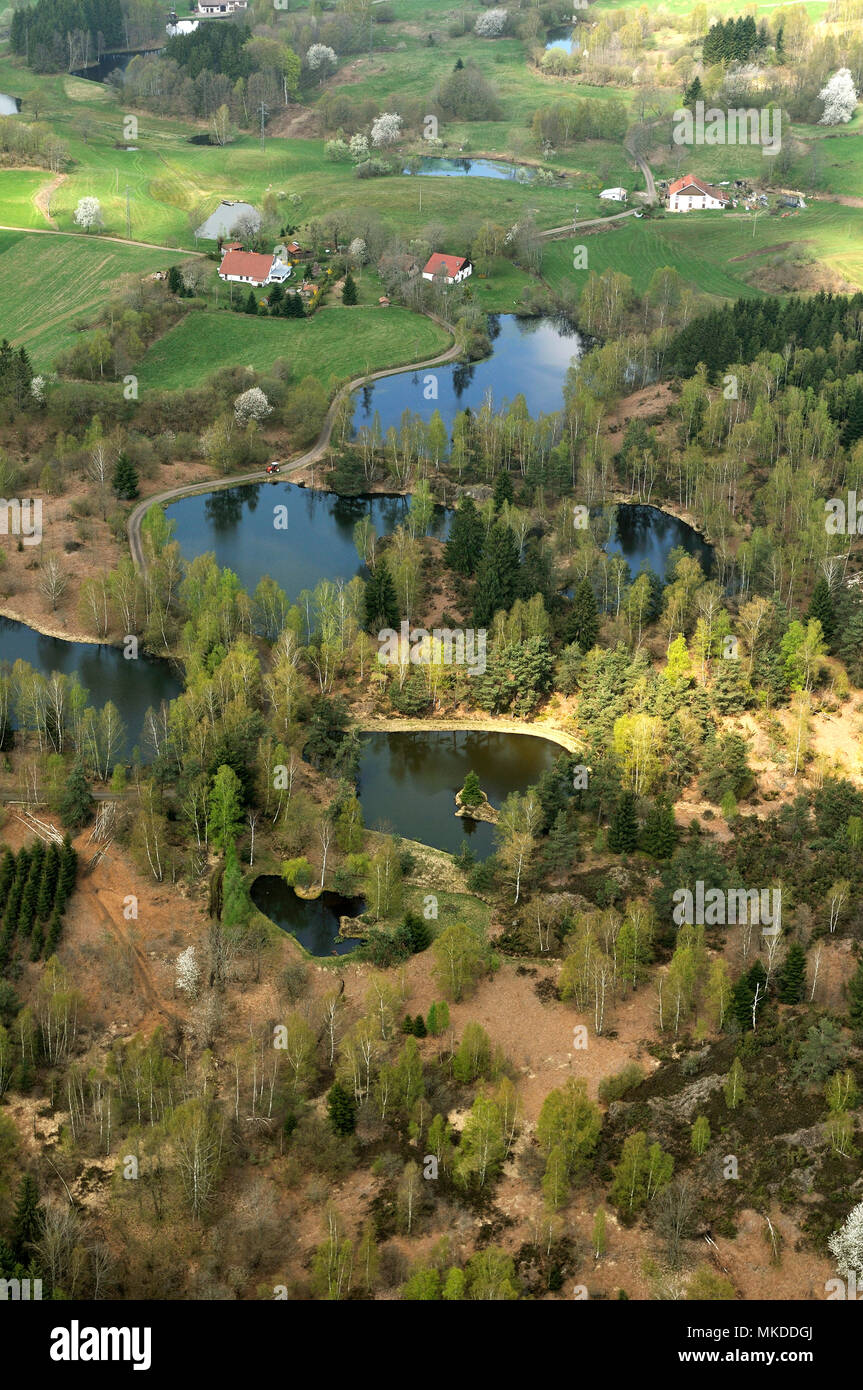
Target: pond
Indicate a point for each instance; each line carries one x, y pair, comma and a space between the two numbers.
133, 686
9, 106
645, 537
222, 222
408, 781
439, 167
112, 62
530, 357
315, 922
562, 39
237, 524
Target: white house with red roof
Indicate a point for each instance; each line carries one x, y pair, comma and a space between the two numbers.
251, 268
454, 268
688, 194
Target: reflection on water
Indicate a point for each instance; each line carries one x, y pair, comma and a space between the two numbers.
531, 358
133, 686
408, 782
314, 923
433, 166
237, 524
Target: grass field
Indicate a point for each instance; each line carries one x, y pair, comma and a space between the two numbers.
715, 253
50, 283
336, 342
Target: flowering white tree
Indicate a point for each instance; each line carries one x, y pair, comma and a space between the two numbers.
321, 58
37, 389
358, 251
386, 129
846, 1244
491, 24
251, 405
359, 147
839, 97
188, 977
88, 213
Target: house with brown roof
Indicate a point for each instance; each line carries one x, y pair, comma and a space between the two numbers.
454, 269
688, 194
251, 268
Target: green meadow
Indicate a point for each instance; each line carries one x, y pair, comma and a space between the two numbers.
54, 285
335, 343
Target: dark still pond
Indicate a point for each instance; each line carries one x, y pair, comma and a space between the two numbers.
238, 525
314, 923
104, 672
530, 358
645, 537
408, 782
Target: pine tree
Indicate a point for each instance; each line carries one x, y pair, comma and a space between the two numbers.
623, 831
463, 548
251, 306
381, 603
791, 979
349, 292
420, 1029
342, 1109
175, 280
582, 623
125, 479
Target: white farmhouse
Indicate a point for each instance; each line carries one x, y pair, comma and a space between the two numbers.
250, 268
454, 268
688, 194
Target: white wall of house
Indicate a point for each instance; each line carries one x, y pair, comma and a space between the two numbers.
698, 202
452, 279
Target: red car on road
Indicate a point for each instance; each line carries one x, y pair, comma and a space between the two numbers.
273, 467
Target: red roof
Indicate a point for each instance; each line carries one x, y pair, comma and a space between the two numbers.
248, 264
450, 264
690, 181
232, 246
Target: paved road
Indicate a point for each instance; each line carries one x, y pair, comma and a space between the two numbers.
311, 455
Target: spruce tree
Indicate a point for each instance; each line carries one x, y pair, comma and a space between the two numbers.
497, 576
349, 292
27, 1219
821, 607
623, 831
855, 997
503, 489
791, 978
125, 479
462, 550
560, 847
582, 622
251, 306
381, 603
471, 792
342, 1109
420, 1029
76, 803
